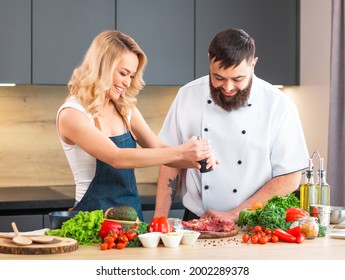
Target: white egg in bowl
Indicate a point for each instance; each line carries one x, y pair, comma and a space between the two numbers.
189, 237
172, 239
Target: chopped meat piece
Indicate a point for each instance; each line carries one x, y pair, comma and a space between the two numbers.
210, 224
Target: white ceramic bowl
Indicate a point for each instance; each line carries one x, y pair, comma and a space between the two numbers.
150, 239
189, 237
172, 239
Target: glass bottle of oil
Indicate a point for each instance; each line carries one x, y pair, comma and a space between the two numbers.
324, 187
305, 188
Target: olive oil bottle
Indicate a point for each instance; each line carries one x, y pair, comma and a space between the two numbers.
323, 186
306, 187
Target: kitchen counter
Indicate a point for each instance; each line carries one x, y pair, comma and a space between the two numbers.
42, 200
321, 248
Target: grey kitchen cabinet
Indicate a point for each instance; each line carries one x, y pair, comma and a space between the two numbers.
274, 24
164, 29
62, 32
23, 222
15, 43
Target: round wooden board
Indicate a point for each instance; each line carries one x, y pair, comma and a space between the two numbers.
57, 246
215, 234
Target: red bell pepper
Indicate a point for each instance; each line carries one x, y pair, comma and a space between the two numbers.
108, 226
160, 224
293, 214
295, 230
284, 236
300, 237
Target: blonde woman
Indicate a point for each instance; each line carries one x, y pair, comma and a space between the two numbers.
99, 126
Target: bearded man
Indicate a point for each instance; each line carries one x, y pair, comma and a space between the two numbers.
255, 132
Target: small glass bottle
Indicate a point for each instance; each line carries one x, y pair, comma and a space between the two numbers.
323, 185
305, 188
324, 189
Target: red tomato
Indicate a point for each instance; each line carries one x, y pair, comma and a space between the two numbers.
263, 240
274, 239
122, 239
257, 229
104, 246
111, 245
131, 235
109, 239
245, 238
254, 239
108, 226
120, 245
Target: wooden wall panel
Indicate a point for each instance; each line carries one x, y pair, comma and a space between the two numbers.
30, 151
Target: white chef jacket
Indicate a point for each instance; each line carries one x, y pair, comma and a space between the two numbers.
253, 144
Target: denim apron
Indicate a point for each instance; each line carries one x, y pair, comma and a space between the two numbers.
111, 186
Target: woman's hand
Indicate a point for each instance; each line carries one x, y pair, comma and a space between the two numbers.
196, 149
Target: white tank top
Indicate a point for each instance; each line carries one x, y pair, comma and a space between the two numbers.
82, 164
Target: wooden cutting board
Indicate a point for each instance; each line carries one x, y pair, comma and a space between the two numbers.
57, 246
217, 234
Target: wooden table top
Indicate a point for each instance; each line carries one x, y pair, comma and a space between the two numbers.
232, 248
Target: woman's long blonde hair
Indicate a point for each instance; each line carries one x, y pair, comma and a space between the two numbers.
94, 77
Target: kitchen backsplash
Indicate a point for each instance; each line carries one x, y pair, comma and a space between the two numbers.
30, 151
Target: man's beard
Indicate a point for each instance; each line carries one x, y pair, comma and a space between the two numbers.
230, 103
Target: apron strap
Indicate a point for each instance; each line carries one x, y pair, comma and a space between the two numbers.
128, 125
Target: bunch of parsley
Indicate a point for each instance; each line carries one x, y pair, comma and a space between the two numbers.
272, 215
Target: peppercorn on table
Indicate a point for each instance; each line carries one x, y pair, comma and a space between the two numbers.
232, 248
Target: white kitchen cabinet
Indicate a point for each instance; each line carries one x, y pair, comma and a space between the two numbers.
164, 29
274, 24
62, 32
15, 42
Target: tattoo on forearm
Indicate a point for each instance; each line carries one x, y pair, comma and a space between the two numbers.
173, 184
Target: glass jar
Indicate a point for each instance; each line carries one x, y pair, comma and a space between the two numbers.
322, 213
309, 225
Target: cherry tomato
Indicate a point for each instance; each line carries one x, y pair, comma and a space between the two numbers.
122, 239
104, 246
109, 239
254, 239
257, 229
131, 235
268, 231
274, 239
245, 238
263, 240
121, 245
114, 235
